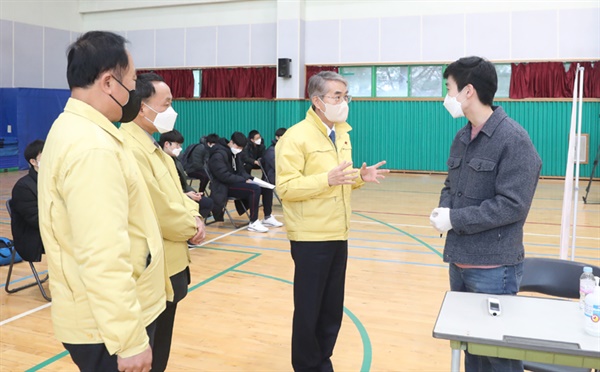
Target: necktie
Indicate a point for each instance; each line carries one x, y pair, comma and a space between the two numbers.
332, 136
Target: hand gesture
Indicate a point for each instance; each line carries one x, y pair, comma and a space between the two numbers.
200, 234
340, 176
196, 196
373, 173
138, 363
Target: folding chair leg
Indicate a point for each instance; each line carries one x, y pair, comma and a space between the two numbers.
37, 282
277, 196
237, 226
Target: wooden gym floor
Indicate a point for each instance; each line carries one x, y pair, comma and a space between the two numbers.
237, 315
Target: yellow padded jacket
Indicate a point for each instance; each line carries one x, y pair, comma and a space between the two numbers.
99, 228
175, 210
313, 210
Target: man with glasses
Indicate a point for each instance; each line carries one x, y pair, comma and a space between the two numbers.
315, 179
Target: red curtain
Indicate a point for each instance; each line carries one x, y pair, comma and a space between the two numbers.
591, 79
550, 80
259, 82
313, 70
181, 82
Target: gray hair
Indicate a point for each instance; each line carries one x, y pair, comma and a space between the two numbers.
317, 84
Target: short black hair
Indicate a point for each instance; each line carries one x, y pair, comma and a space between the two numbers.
94, 53
478, 72
280, 132
171, 136
239, 139
212, 138
252, 133
33, 150
144, 86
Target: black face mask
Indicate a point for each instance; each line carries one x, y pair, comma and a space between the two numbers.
131, 109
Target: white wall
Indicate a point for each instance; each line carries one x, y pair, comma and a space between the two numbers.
205, 33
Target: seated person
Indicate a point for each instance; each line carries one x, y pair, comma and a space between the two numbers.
24, 208
171, 143
229, 178
253, 151
268, 159
196, 156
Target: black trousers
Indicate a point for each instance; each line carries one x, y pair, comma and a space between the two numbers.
203, 177
206, 205
95, 357
165, 321
251, 193
319, 280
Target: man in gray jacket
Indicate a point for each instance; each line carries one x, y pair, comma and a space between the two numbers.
493, 170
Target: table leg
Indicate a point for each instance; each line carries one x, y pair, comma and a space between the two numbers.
455, 363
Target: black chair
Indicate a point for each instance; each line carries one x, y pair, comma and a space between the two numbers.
37, 281
553, 277
268, 180
230, 198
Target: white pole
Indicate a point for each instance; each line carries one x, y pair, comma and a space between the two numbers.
580, 71
568, 189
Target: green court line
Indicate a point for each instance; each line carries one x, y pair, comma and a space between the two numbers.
367, 348
48, 361
403, 232
232, 268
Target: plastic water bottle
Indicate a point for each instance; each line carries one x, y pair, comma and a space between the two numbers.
586, 285
592, 311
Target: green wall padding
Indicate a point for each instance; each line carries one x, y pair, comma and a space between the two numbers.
410, 135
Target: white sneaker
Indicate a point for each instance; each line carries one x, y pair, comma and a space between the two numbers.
257, 226
271, 221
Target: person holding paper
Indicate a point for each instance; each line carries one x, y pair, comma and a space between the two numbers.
229, 178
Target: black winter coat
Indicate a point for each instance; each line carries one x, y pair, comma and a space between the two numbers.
223, 173
24, 218
251, 153
268, 163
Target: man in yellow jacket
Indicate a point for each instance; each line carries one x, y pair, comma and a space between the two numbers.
178, 215
102, 239
314, 181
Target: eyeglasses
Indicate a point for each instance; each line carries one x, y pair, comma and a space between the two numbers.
338, 99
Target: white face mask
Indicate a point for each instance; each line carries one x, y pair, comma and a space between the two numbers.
164, 121
336, 113
453, 106
235, 151
258, 141
176, 151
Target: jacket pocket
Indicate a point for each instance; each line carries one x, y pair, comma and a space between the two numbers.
323, 215
481, 182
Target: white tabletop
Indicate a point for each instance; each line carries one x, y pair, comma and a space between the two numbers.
543, 324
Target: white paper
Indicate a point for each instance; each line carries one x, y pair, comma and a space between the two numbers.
262, 183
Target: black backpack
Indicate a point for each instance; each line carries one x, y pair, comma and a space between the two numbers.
185, 155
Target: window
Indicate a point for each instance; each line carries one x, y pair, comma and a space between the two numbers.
197, 83
359, 80
503, 72
426, 81
392, 81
